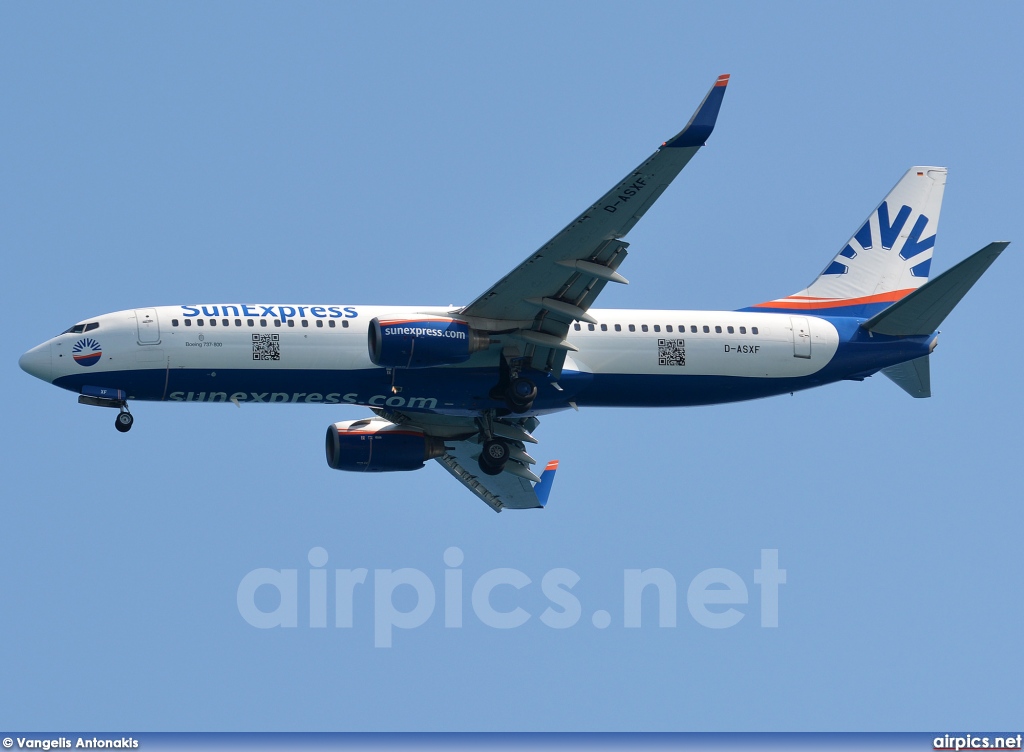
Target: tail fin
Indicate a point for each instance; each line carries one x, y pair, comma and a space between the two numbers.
885, 260
921, 312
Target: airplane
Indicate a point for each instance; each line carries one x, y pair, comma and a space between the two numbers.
465, 385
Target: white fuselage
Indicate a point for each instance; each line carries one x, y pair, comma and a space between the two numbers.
318, 354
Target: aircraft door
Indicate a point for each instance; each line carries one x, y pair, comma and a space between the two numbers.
801, 337
149, 326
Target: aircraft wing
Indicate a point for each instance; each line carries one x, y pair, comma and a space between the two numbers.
512, 490
555, 286
516, 487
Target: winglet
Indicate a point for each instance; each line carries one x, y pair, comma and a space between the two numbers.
702, 123
547, 478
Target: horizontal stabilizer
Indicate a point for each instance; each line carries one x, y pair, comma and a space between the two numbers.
914, 376
921, 312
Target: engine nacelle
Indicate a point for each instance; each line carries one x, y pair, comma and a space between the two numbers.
422, 342
378, 446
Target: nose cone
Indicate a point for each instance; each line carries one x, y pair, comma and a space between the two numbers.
37, 362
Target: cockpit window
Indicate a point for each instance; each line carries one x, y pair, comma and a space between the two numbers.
79, 328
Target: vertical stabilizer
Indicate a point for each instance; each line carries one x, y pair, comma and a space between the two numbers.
888, 257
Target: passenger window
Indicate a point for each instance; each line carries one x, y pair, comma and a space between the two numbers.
174, 322
577, 327
263, 322
632, 327
730, 330
188, 322
331, 323
199, 322
707, 329
320, 324
643, 327
226, 322
590, 327
743, 330
657, 327
693, 329
277, 322
213, 322
604, 327
238, 322
251, 322
305, 322
344, 323
718, 330
618, 327
291, 322
753, 330
668, 327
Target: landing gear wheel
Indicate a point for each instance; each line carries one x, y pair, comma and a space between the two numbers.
493, 457
520, 395
123, 422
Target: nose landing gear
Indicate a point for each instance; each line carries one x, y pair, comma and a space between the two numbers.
124, 420
105, 397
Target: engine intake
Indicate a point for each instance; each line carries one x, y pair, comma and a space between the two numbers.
375, 445
422, 342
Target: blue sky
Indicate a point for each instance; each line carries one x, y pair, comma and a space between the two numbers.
367, 153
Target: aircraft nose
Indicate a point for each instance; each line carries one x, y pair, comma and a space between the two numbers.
37, 362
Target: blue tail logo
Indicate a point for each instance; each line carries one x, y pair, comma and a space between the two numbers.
889, 233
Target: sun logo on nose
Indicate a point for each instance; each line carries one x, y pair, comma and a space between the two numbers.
87, 352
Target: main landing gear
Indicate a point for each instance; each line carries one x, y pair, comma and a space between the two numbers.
493, 457
501, 445
520, 394
514, 389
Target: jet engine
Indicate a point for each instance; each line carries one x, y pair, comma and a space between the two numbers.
422, 342
376, 445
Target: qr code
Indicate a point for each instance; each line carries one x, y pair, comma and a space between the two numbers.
671, 352
266, 347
